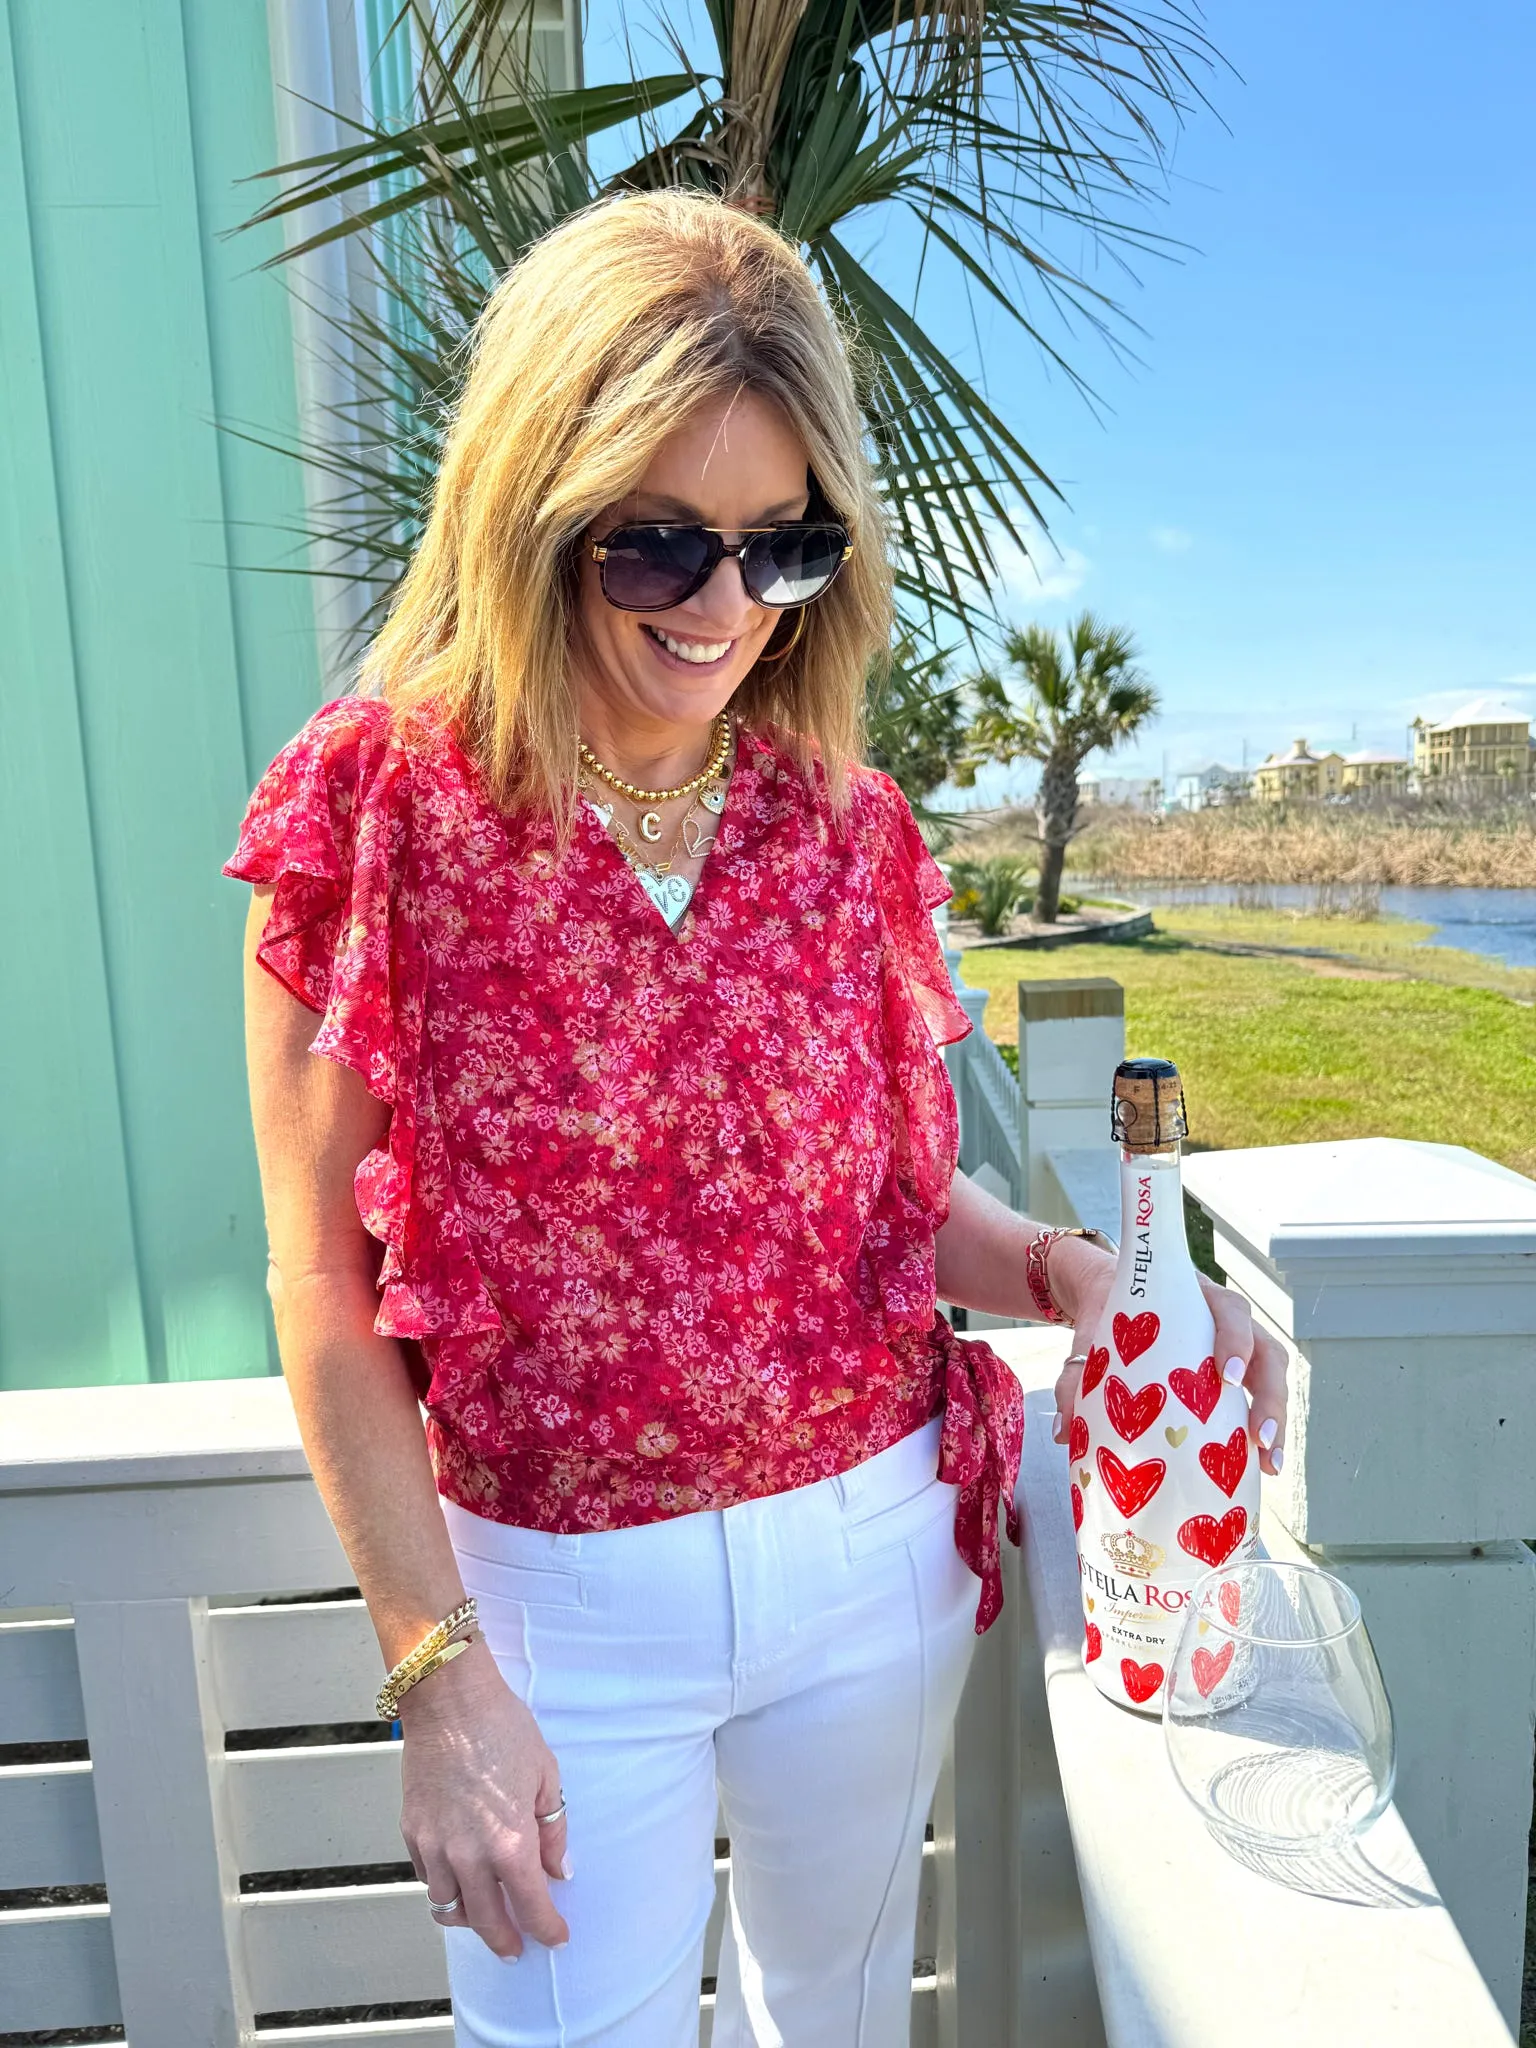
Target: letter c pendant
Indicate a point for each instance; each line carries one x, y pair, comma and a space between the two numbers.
650, 826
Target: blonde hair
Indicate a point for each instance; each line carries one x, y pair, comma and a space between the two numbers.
610, 331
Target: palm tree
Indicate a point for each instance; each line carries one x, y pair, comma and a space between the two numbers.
1083, 695
999, 128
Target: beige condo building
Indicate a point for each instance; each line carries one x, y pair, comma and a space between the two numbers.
1486, 741
1288, 778
1368, 770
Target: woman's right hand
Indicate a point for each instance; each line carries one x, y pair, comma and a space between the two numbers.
476, 1772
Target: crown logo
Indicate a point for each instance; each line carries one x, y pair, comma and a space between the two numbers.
1133, 1555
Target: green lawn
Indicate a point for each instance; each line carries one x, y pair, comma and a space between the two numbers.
1382, 1039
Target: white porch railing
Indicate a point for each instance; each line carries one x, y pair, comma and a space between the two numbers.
1402, 1279
144, 1533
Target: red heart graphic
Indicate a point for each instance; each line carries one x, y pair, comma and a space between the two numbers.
1093, 1642
1077, 1443
1135, 1334
1132, 1415
1095, 1369
1209, 1668
1226, 1463
1211, 1541
1230, 1601
1140, 1680
1130, 1486
1200, 1390
1077, 1507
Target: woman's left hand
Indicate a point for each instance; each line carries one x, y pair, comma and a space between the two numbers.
1243, 1352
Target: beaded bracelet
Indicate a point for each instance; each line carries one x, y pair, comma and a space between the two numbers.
425, 1657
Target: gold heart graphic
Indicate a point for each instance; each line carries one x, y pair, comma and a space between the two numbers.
1090, 1603
1176, 1436
1083, 1475
1204, 1625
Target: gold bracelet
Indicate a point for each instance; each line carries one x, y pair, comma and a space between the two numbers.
433, 1663
399, 1683
410, 1667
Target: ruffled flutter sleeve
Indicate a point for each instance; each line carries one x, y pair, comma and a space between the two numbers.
983, 1434
323, 824
921, 1012
329, 825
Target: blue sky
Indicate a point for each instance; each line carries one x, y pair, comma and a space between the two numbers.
1313, 497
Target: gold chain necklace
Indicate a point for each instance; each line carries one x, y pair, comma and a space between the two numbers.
649, 820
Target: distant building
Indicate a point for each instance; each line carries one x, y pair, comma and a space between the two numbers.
1486, 741
1367, 770
1196, 789
1286, 778
1125, 792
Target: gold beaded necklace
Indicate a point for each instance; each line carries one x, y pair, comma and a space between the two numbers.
649, 821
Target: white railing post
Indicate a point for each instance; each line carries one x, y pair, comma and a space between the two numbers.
157, 1764
1402, 1278
1071, 1038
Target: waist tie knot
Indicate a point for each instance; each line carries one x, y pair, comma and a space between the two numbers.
979, 1451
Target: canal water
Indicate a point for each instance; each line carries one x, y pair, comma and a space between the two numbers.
1500, 923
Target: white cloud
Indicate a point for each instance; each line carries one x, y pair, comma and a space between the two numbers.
1171, 540
1044, 571
1520, 682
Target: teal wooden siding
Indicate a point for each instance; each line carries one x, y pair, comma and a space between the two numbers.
148, 671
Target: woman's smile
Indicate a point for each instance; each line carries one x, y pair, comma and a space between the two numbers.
679, 651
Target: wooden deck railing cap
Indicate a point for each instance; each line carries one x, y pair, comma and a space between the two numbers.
182, 1432
1089, 995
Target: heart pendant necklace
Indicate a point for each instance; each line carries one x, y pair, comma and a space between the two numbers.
670, 893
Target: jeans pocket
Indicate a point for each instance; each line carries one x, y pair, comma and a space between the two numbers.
521, 1585
886, 1524
528, 1567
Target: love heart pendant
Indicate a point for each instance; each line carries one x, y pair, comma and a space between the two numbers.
671, 894
602, 812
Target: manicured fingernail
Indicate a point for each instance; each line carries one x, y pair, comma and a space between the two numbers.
566, 1869
561, 1944
1058, 1431
1268, 1431
511, 1959
1233, 1371
1277, 1457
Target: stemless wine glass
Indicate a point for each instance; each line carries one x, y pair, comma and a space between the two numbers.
1277, 1722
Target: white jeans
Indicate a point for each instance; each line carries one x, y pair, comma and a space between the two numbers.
799, 1657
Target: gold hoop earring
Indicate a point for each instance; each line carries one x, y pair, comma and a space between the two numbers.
792, 642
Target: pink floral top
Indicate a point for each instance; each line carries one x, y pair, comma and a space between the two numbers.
658, 1205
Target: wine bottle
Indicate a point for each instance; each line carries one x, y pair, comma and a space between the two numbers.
1165, 1481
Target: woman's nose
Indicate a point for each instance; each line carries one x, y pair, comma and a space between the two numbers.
723, 601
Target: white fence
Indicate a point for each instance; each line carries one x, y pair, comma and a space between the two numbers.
211, 1929
153, 1540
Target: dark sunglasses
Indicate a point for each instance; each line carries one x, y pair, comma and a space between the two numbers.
652, 568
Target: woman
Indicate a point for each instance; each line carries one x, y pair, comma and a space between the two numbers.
630, 1004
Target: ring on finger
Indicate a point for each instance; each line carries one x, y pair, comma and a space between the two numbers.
1078, 1358
547, 1820
446, 1905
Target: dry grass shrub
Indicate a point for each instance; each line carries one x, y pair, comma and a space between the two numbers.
1259, 843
